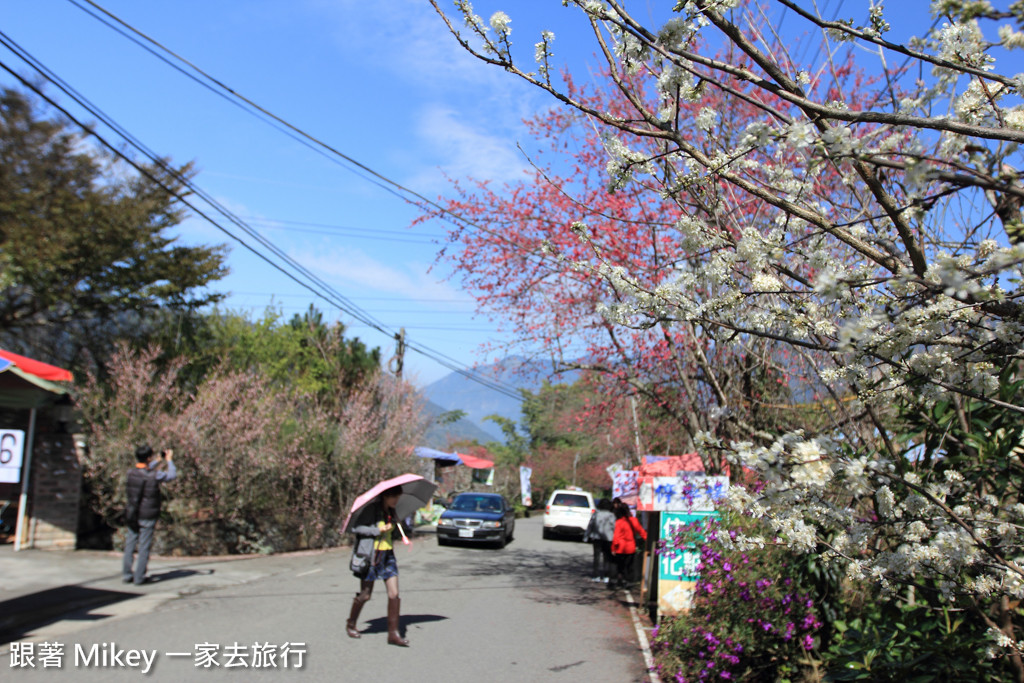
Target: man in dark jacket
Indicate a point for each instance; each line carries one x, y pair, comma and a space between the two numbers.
143, 508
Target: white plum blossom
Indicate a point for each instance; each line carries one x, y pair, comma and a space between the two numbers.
542, 49
839, 140
678, 31
765, 282
963, 43
707, 118
1010, 37
500, 23
757, 134
856, 236
801, 134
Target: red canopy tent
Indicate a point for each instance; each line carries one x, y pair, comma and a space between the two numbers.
667, 466
29, 384
475, 462
38, 368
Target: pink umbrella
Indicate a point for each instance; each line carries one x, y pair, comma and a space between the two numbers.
416, 492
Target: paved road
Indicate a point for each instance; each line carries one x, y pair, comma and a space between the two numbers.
520, 614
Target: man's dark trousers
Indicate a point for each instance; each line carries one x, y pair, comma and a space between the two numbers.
144, 538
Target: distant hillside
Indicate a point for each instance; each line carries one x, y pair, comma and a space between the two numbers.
456, 392
438, 436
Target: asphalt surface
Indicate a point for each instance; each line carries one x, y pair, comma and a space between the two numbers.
41, 587
525, 612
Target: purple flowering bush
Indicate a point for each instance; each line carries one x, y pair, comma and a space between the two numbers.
752, 618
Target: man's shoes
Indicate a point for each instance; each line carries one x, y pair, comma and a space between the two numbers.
126, 579
145, 579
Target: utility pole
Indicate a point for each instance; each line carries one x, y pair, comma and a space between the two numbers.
398, 360
636, 429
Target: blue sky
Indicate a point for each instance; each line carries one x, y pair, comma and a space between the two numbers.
382, 82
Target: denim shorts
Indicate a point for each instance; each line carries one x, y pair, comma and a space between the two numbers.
384, 566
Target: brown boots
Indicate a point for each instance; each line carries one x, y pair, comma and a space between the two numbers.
353, 616
393, 636
394, 605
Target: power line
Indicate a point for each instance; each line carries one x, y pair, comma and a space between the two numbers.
364, 298
320, 147
409, 195
373, 233
216, 86
306, 139
324, 149
325, 291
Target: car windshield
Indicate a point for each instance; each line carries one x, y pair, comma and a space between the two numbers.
476, 504
573, 500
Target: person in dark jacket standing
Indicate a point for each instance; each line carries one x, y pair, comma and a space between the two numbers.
143, 508
600, 533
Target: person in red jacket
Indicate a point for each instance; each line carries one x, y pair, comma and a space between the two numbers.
624, 543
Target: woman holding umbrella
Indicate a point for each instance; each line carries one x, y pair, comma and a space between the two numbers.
379, 521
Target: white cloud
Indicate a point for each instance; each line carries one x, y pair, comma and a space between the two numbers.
355, 268
463, 117
465, 150
406, 37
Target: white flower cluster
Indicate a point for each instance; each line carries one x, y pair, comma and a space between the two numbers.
801, 134
978, 103
706, 119
878, 25
679, 31
542, 50
963, 43
472, 20
500, 23
1011, 38
623, 163
884, 526
631, 51
861, 239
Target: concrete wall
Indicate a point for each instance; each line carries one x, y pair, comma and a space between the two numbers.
56, 488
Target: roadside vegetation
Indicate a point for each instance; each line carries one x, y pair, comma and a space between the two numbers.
276, 424
794, 238
794, 248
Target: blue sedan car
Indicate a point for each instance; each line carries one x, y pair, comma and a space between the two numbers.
477, 517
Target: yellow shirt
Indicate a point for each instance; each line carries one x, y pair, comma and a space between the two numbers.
384, 541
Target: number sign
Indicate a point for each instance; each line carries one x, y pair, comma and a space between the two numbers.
12, 444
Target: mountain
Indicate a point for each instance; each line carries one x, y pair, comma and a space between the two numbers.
457, 392
438, 436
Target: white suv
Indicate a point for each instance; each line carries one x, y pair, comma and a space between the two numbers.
568, 512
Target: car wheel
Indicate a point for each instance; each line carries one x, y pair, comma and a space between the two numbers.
502, 541
510, 534
442, 541
547, 534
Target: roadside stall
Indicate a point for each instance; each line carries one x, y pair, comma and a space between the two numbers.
668, 492
450, 480
40, 475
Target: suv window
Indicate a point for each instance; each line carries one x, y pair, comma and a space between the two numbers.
574, 500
